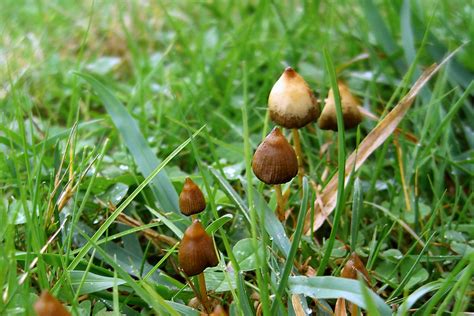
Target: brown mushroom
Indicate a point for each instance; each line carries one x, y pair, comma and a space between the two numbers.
48, 305
191, 199
274, 161
196, 251
350, 110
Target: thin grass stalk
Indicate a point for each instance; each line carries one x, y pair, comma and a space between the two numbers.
341, 155
294, 245
261, 271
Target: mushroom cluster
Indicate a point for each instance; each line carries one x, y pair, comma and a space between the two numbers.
292, 105
196, 251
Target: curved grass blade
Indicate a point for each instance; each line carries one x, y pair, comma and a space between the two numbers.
231, 193
332, 287
294, 245
415, 296
218, 223
145, 159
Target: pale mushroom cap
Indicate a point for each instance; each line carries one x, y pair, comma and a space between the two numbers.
291, 102
350, 111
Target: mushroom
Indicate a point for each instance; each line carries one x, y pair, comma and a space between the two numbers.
350, 111
195, 254
274, 163
48, 305
352, 267
293, 105
191, 199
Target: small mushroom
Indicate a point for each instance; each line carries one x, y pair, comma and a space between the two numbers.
274, 161
191, 199
291, 102
48, 305
350, 270
350, 111
219, 311
196, 251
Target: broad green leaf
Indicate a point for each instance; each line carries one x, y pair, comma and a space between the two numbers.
92, 282
218, 281
245, 254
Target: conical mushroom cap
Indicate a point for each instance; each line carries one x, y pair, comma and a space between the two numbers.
350, 111
48, 305
191, 199
354, 265
196, 251
274, 161
291, 102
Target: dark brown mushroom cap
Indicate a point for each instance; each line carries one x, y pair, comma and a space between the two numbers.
291, 102
350, 111
48, 305
191, 199
196, 251
274, 161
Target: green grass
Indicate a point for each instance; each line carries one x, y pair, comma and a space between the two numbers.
108, 106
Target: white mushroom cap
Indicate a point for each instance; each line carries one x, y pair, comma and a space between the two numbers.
291, 102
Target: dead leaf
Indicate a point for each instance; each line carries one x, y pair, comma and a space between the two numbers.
371, 142
298, 308
340, 309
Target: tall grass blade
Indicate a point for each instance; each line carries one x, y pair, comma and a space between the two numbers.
145, 159
294, 245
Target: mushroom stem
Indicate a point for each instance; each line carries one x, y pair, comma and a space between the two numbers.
280, 203
299, 154
203, 291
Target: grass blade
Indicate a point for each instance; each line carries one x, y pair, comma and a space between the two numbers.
332, 287
356, 209
294, 245
341, 162
144, 157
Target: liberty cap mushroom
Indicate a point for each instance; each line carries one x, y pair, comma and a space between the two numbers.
274, 161
350, 111
291, 102
196, 251
191, 199
48, 305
